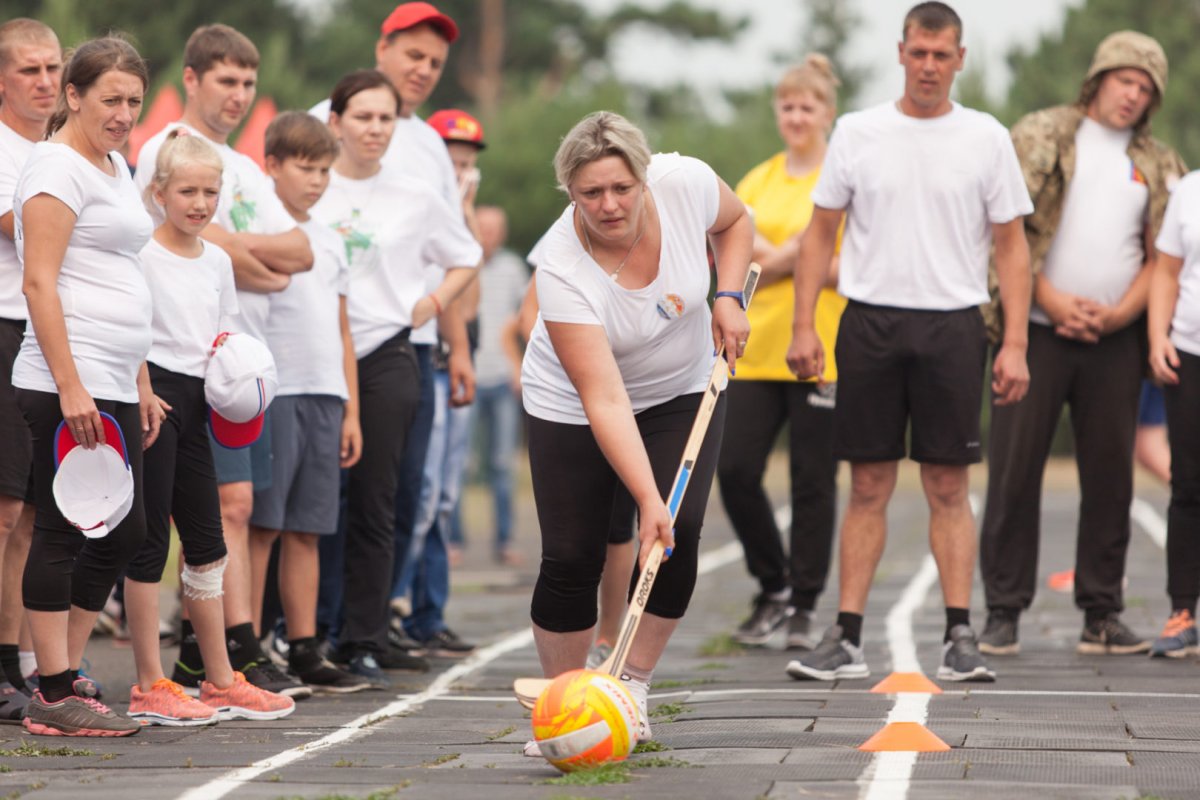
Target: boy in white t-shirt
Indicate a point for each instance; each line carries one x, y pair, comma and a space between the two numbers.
220, 74
926, 187
314, 419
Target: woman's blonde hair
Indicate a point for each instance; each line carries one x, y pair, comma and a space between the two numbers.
815, 74
601, 134
180, 149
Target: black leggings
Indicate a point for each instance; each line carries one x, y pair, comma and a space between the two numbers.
1183, 515
64, 567
180, 482
576, 489
757, 412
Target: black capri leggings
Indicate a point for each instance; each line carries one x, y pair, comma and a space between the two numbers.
64, 567
180, 482
576, 491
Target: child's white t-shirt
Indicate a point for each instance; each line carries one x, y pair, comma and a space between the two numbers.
304, 328
194, 301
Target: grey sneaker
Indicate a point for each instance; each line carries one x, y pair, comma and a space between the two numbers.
834, 658
999, 636
799, 635
80, 714
1177, 639
598, 654
767, 617
1110, 637
961, 659
265, 675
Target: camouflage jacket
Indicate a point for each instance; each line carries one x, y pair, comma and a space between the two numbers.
1045, 145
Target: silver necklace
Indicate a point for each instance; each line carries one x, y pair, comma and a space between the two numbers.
588, 241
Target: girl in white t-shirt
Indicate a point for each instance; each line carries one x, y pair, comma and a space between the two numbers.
80, 225
1174, 319
392, 227
614, 374
191, 283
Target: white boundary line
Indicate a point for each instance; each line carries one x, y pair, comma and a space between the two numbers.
889, 774
214, 790
715, 694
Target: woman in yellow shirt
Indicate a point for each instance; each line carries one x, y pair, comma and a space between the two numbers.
765, 395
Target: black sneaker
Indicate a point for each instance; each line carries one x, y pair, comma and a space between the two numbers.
400, 660
188, 678
999, 636
1109, 636
961, 659
265, 675
800, 634
402, 641
324, 678
834, 658
363, 664
447, 644
769, 615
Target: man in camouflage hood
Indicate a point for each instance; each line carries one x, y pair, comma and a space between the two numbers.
1099, 183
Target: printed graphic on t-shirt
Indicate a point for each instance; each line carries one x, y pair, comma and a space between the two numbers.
1135, 174
361, 252
242, 211
670, 306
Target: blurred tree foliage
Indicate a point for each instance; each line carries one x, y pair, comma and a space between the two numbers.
1051, 71
528, 68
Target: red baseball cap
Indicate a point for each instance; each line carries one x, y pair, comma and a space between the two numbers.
455, 125
406, 15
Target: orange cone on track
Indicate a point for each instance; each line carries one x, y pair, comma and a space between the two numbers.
913, 682
908, 737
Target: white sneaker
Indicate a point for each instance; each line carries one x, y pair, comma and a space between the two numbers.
532, 749
640, 692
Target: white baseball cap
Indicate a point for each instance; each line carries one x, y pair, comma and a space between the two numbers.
93, 488
239, 383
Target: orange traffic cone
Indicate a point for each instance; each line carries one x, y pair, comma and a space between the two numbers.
904, 737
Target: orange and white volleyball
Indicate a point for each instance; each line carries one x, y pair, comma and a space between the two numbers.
583, 719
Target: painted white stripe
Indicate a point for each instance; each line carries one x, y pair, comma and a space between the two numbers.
716, 694
216, 789
1149, 520
889, 774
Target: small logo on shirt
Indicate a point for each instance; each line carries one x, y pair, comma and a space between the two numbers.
824, 397
670, 306
1135, 174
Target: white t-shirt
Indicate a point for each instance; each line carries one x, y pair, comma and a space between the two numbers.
661, 334
502, 282
105, 299
247, 204
418, 151
1180, 237
1098, 251
193, 301
304, 329
920, 196
14, 152
392, 226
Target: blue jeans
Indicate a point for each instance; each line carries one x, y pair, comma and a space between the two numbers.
427, 571
497, 414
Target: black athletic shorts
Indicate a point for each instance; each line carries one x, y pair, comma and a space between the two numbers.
897, 365
16, 446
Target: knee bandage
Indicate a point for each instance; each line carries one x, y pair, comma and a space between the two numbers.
204, 583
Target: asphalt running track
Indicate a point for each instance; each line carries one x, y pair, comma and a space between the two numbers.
1055, 724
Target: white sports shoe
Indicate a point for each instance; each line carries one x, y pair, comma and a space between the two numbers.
640, 692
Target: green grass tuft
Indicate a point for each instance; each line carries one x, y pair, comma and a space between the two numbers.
617, 772
27, 749
721, 646
652, 746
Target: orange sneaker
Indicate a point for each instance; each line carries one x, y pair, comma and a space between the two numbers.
166, 704
244, 700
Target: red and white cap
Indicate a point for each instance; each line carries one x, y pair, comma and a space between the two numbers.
239, 383
93, 488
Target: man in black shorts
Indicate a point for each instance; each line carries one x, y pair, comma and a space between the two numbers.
926, 187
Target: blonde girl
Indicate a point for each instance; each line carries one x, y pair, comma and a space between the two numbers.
191, 284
